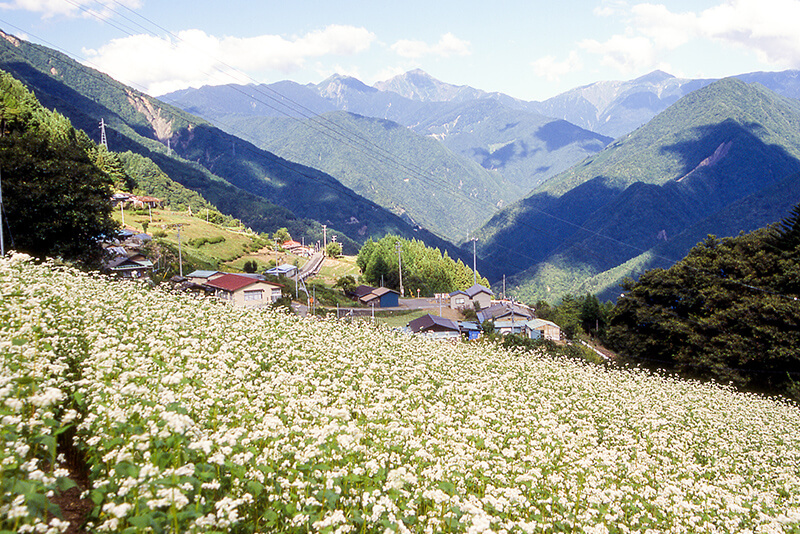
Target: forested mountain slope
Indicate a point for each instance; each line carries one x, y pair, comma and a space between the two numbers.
711, 149
257, 187
501, 134
413, 176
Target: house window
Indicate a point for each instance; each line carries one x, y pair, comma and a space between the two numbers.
255, 294
459, 300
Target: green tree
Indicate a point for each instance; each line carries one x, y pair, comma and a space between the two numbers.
425, 269
727, 311
591, 316
333, 250
346, 282
281, 235
250, 266
56, 200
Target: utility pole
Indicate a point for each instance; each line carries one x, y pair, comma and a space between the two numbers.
2, 243
400, 266
122, 212
180, 253
474, 268
324, 236
103, 139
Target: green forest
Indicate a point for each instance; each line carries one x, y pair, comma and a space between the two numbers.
55, 195
425, 270
728, 311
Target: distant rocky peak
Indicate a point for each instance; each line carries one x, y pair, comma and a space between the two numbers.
334, 85
655, 77
420, 86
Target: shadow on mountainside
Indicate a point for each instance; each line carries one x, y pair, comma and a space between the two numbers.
598, 226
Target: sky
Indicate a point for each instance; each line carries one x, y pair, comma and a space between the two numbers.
528, 49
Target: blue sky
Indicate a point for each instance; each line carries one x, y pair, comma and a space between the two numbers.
528, 49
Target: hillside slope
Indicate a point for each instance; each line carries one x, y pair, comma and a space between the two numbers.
236, 420
711, 149
502, 134
259, 188
413, 176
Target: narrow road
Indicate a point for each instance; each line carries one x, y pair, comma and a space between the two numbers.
312, 266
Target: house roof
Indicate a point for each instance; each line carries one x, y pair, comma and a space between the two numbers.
476, 289
282, 269
535, 324
121, 263
290, 244
427, 322
459, 292
381, 291
369, 297
231, 282
147, 199
360, 291
254, 276
502, 310
201, 274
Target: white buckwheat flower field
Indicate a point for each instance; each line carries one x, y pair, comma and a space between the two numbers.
197, 417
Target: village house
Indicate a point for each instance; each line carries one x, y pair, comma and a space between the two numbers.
137, 201
286, 270
475, 295
146, 202
459, 300
244, 291
201, 276
480, 295
541, 329
506, 311
381, 297
135, 266
435, 326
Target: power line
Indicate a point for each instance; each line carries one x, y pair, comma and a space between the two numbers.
358, 142
319, 123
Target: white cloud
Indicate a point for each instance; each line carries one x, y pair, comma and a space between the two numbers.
625, 53
448, 45
608, 8
71, 8
195, 58
552, 69
766, 27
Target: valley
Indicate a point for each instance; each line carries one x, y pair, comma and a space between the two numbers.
567, 195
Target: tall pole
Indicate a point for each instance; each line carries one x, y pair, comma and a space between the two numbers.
103, 139
474, 268
180, 253
122, 212
400, 266
2, 243
324, 236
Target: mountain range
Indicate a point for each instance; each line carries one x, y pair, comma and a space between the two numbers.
517, 148
723, 159
568, 195
255, 186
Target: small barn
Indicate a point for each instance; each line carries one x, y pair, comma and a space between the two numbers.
381, 297
539, 328
435, 326
480, 295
